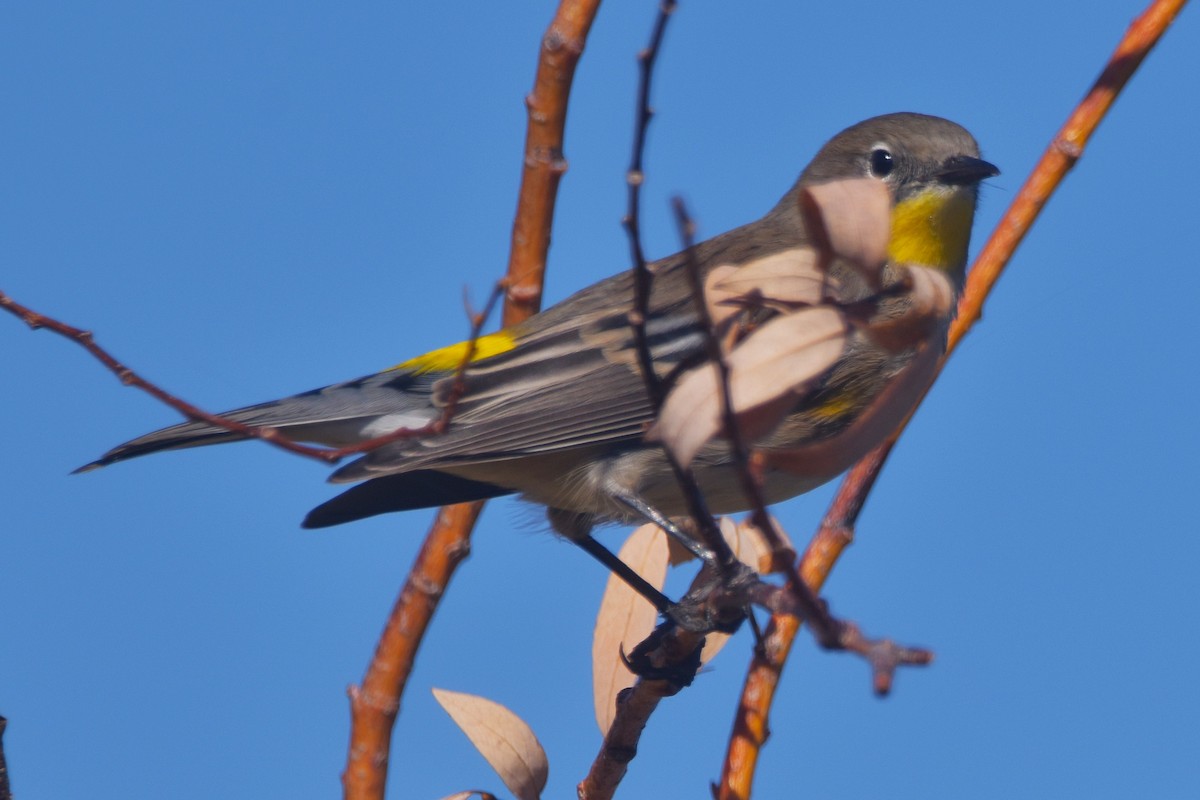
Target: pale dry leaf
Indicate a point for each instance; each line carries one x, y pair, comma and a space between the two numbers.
785, 281
482, 795
677, 552
502, 738
931, 293
625, 619
767, 370
929, 305
714, 642
752, 547
719, 310
853, 219
870, 426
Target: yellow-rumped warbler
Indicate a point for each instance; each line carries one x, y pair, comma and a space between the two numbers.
556, 409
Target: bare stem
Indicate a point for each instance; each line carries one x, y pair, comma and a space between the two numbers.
634, 178
375, 704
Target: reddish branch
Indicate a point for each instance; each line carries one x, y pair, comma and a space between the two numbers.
837, 529
375, 704
562, 45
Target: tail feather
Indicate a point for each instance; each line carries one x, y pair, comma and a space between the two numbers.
404, 491
337, 415
188, 434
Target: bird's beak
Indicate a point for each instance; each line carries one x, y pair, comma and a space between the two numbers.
965, 170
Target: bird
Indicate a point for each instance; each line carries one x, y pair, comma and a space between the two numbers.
555, 408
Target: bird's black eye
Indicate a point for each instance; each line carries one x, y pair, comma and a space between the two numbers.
882, 163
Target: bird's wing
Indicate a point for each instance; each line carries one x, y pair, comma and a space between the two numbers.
566, 378
571, 381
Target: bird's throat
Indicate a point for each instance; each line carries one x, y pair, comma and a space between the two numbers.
932, 228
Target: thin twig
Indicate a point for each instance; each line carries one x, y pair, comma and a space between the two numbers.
634, 178
674, 645
127, 376
837, 529
782, 555
620, 744
271, 435
733, 431
375, 706
643, 280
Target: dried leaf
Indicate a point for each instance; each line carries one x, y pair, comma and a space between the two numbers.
677, 552
882, 415
785, 281
767, 370
625, 619
482, 795
502, 738
752, 548
851, 219
715, 296
766, 558
932, 295
930, 303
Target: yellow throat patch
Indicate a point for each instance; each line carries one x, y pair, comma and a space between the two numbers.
932, 228
447, 359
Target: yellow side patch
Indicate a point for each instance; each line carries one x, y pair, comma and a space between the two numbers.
835, 407
447, 359
932, 229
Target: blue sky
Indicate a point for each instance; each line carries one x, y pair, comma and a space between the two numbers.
249, 200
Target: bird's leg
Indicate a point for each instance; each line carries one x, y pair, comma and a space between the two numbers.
695, 612
652, 514
577, 527
623, 571
715, 602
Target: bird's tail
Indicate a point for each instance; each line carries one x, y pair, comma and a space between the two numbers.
336, 416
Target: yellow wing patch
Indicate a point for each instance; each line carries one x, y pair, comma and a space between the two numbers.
447, 359
932, 228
